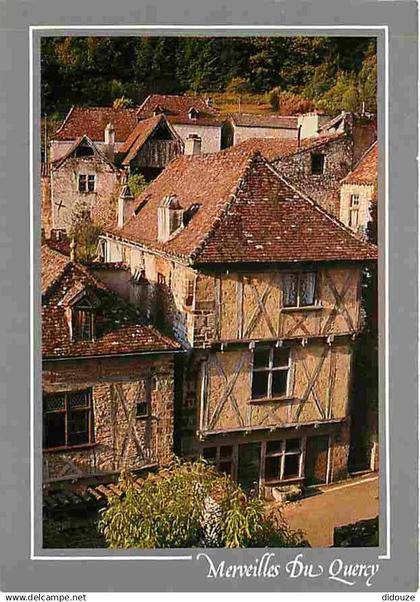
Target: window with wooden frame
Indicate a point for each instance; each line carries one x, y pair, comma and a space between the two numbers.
67, 419
83, 321
87, 182
354, 211
299, 289
270, 373
222, 457
317, 163
282, 459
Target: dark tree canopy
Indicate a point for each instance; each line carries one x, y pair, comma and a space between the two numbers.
97, 70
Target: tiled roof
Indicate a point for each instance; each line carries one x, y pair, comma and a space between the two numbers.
288, 122
274, 149
366, 171
176, 109
141, 134
117, 326
92, 121
247, 213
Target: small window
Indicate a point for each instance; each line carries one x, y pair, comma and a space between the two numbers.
87, 183
354, 200
270, 374
67, 419
82, 324
354, 218
142, 409
84, 151
317, 163
282, 459
299, 289
222, 458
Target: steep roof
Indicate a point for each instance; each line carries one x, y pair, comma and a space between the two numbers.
176, 108
246, 213
274, 149
366, 171
117, 326
78, 142
92, 121
284, 122
141, 134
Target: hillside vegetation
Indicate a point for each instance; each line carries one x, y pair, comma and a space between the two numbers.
280, 74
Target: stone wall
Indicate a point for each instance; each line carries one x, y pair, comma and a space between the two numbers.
244, 133
210, 135
65, 195
121, 440
46, 212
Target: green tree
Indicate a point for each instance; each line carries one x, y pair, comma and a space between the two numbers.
84, 232
188, 504
368, 79
137, 183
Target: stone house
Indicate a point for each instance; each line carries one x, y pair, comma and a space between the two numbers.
192, 117
83, 179
261, 286
316, 166
92, 122
358, 191
107, 379
242, 126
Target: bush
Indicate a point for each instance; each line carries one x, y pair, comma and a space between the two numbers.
84, 232
137, 183
190, 504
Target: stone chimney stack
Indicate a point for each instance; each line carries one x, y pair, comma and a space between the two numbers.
72, 250
125, 205
169, 217
109, 137
193, 145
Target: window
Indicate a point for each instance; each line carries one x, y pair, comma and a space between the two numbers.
282, 459
83, 321
67, 419
354, 211
354, 200
317, 163
299, 289
86, 183
221, 457
270, 373
142, 409
84, 151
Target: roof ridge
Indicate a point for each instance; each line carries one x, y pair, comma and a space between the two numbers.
231, 199
65, 120
318, 207
59, 162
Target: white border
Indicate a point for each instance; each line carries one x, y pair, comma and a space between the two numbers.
181, 28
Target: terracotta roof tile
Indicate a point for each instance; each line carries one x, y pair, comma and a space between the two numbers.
288, 122
92, 121
247, 212
117, 326
176, 109
366, 171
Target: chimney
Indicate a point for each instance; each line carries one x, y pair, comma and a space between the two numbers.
109, 137
72, 250
170, 216
193, 145
125, 205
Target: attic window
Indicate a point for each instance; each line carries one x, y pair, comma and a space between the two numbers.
83, 321
84, 151
317, 163
193, 113
189, 213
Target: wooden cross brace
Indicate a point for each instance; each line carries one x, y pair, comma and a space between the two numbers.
339, 303
311, 383
260, 310
228, 390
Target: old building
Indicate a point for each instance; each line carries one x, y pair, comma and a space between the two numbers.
357, 192
107, 380
192, 117
83, 179
242, 126
150, 147
262, 286
316, 166
92, 122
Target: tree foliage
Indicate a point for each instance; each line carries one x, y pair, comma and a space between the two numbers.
137, 183
98, 70
190, 504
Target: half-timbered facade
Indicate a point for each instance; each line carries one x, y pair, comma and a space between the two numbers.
108, 380
263, 287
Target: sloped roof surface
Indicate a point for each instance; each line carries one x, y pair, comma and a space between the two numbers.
141, 134
176, 108
366, 171
92, 121
82, 139
117, 326
247, 213
288, 122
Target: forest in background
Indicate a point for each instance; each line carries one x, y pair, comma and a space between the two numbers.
281, 74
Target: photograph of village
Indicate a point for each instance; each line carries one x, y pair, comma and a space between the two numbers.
209, 292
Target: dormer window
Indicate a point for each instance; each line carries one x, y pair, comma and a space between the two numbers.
83, 320
193, 113
317, 163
